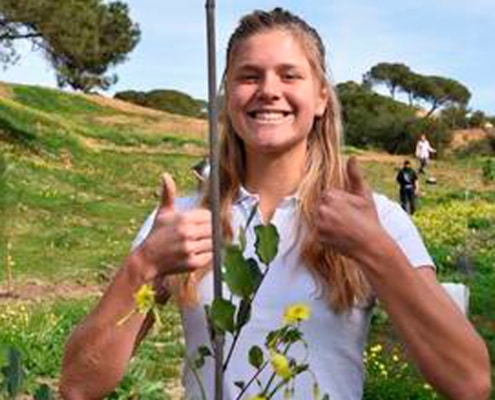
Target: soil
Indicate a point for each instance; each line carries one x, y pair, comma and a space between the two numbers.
37, 290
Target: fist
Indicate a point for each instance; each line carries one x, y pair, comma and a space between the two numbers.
347, 219
179, 241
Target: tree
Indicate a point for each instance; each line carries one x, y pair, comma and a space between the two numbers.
439, 91
393, 75
82, 39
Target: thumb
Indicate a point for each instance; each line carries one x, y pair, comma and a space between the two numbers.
168, 192
355, 180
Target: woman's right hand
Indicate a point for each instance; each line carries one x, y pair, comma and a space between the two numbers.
179, 241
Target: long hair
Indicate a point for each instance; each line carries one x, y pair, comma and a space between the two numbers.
342, 282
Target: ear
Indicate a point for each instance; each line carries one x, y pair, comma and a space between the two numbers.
321, 101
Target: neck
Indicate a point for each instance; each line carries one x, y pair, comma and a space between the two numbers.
274, 177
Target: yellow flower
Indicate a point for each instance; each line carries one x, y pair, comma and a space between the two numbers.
376, 348
280, 365
295, 313
145, 299
258, 397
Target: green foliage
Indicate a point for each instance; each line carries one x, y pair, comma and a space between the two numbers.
82, 39
172, 101
267, 239
393, 75
488, 170
435, 90
12, 372
372, 120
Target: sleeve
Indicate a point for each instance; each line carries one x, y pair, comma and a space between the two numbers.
401, 228
181, 204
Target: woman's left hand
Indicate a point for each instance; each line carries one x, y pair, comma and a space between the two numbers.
347, 219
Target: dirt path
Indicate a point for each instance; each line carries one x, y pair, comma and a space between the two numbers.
37, 290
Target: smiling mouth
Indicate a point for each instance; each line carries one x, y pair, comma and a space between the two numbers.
269, 116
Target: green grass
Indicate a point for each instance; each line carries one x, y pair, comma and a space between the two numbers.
69, 212
39, 331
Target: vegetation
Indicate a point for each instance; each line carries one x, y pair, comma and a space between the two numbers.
434, 90
77, 178
172, 101
98, 37
375, 121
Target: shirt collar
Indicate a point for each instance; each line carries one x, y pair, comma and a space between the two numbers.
245, 197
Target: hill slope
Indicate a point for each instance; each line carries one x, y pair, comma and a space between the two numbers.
80, 170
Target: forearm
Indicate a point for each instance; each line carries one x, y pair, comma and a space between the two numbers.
97, 353
441, 341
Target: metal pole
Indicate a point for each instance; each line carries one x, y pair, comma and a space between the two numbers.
218, 339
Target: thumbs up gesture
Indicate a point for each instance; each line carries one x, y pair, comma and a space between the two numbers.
179, 241
347, 219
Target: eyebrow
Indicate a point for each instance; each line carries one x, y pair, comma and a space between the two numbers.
254, 67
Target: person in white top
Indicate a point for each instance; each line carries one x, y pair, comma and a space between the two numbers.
341, 246
423, 150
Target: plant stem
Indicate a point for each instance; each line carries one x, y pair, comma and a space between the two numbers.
251, 380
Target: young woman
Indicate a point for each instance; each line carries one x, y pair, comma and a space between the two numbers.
340, 248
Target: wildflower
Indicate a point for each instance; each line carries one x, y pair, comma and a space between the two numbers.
280, 365
257, 397
295, 313
145, 299
377, 348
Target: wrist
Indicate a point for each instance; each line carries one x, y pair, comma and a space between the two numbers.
139, 269
378, 252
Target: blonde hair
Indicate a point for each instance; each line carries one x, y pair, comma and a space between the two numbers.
342, 281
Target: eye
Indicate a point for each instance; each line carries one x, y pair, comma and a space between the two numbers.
247, 77
291, 75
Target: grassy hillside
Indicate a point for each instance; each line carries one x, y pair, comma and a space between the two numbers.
78, 175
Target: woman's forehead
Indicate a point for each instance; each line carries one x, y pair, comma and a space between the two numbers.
272, 46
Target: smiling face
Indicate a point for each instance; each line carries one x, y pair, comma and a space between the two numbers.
273, 95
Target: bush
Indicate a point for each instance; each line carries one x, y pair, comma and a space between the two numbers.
172, 101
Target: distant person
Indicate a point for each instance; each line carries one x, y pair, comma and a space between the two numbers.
423, 150
408, 187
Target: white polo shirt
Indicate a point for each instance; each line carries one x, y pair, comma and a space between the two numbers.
336, 341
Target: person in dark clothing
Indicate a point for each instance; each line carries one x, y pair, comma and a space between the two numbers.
408, 187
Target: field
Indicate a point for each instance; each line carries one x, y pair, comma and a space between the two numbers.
79, 174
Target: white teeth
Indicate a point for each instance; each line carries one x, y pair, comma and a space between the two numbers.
269, 116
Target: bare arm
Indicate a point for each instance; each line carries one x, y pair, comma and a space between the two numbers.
441, 341
98, 351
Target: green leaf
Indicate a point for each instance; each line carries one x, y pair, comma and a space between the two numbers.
298, 369
267, 239
291, 336
43, 392
204, 351
239, 274
256, 274
222, 315
256, 357
13, 372
240, 384
243, 314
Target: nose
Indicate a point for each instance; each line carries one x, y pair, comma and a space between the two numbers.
269, 87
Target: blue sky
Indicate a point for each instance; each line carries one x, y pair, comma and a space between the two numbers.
451, 38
